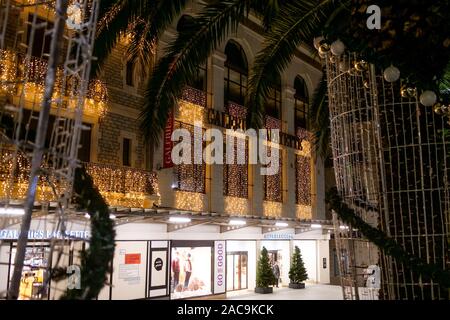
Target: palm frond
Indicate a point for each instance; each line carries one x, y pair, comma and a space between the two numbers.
180, 63
296, 22
319, 120
145, 31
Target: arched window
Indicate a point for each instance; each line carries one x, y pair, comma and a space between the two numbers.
273, 101
301, 103
186, 23
236, 73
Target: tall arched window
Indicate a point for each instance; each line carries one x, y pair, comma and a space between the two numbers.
236, 73
273, 101
301, 103
186, 23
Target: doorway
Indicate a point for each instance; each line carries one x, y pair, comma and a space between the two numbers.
237, 276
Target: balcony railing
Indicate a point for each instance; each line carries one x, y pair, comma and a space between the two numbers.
120, 186
16, 69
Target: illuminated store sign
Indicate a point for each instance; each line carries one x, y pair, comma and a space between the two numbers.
277, 236
9, 234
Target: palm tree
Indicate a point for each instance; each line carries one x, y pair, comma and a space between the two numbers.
403, 42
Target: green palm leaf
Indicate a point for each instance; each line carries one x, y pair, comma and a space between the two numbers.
296, 22
145, 20
319, 121
180, 63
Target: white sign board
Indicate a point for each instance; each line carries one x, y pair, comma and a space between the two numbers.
219, 267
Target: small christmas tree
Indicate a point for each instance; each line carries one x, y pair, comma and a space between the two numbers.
264, 274
297, 273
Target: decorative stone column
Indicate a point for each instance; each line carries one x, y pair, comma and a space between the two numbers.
215, 101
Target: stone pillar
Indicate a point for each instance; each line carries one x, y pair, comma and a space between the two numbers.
215, 101
288, 116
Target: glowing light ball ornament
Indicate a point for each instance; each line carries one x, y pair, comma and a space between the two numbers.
428, 98
391, 74
337, 48
74, 16
317, 42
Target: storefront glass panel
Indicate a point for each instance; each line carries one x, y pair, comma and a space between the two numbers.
190, 272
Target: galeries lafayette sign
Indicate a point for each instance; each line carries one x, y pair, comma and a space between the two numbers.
10, 234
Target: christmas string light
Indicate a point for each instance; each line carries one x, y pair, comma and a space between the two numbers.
273, 123
192, 201
235, 176
303, 212
273, 184
236, 206
194, 96
303, 180
236, 110
272, 209
123, 186
189, 112
14, 68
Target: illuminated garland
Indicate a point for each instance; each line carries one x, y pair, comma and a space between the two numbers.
194, 96
191, 201
302, 180
236, 110
123, 186
236, 206
273, 184
273, 123
120, 186
235, 176
16, 68
272, 209
303, 212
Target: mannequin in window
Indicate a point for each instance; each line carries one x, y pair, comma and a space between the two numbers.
176, 270
187, 270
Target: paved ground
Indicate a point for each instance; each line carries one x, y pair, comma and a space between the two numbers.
311, 292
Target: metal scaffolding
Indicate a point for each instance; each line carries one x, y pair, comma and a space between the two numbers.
46, 56
391, 166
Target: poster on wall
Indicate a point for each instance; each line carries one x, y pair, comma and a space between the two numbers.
158, 268
219, 267
190, 272
128, 279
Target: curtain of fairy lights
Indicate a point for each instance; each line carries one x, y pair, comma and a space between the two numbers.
235, 176
303, 180
191, 177
273, 184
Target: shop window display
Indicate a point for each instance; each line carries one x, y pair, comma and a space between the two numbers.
35, 273
190, 272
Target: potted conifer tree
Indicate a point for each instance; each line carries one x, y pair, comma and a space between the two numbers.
297, 273
264, 274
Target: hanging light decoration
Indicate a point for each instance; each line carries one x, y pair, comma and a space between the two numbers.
428, 98
317, 42
361, 66
337, 48
391, 74
408, 91
74, 16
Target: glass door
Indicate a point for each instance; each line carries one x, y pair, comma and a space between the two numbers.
237, 271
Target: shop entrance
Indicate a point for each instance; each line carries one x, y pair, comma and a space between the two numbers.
34, 281
237, 277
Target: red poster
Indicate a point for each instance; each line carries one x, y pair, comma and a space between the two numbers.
133, 258
168, 143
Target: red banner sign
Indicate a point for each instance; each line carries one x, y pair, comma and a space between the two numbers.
168, 143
